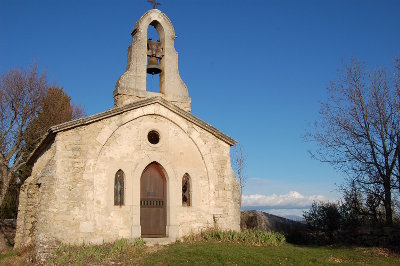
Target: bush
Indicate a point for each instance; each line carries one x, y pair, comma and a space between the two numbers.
323, 216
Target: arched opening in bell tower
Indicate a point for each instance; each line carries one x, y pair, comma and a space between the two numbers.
155, 52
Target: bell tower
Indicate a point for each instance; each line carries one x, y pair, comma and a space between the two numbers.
154, 57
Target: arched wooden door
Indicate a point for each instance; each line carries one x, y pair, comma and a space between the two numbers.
153, 211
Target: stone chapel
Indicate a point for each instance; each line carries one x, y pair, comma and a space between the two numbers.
145, 168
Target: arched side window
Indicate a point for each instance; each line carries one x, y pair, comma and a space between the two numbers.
186, 190
119, 188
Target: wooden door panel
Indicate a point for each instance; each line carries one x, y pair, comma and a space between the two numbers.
153, 202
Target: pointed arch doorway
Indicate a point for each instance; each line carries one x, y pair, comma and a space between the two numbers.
153, 199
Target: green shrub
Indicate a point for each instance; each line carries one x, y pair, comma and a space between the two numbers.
324, 216
139, 242
248, 236
82, 254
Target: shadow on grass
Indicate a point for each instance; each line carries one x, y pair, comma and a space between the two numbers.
383, 237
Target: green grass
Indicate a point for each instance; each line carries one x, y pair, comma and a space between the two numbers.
214, 253
216, 247
136, 253
212, 247
7, 254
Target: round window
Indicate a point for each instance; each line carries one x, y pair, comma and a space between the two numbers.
153, 137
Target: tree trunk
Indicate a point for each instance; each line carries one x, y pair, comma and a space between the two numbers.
398, 159
5, 180
388, 201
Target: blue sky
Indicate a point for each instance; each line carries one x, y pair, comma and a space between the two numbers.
256, 70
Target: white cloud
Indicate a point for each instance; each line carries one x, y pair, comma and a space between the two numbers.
291, 200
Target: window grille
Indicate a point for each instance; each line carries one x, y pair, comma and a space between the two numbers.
119, 188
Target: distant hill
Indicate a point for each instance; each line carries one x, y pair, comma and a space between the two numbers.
296, 218
269, 222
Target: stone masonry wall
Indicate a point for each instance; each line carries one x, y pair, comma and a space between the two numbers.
75, 200
30, 199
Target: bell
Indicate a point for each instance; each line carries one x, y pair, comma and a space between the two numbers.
153, 67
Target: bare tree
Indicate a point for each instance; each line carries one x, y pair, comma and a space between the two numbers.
239, 164
55, 108
359, 130
397, 86
21, 92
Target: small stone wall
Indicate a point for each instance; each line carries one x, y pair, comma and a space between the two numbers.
360, 236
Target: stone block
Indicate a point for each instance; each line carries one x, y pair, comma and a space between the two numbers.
86, 227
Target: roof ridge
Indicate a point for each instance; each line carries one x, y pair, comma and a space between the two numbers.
134, 105
52, 131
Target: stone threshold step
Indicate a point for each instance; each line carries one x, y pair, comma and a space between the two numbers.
158, 241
